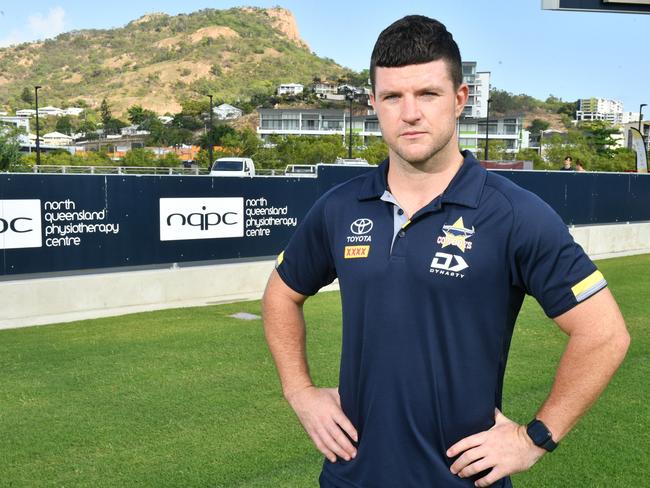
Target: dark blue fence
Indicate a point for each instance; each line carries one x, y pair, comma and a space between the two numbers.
64, 223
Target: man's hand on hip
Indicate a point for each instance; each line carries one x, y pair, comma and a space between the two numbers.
506, 448
319, 411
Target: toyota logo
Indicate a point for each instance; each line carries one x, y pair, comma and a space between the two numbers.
361, 226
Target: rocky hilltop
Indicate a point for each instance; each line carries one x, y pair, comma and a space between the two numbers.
159, 60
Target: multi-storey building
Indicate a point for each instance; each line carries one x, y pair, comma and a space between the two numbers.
472, 122
509, 130
316, 122
471, 125
600, 109
479, 90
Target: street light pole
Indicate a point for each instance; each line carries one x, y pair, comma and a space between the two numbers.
210, 136
487, 127
38, 132
350, 96
641, 115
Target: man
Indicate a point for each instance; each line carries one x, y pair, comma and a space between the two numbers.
434, 256
566, 166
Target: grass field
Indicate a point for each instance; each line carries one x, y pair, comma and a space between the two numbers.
190, 398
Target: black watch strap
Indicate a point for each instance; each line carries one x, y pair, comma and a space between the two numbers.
540, 435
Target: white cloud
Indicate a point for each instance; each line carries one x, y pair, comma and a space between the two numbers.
37, 27
50, 26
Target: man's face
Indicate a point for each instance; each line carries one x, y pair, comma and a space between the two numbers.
417, 106
567, 163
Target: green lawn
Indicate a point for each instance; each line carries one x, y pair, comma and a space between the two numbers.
190, 398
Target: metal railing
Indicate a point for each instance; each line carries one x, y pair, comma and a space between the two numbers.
115, 170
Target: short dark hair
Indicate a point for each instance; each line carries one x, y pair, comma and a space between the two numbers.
416, 39
569, 158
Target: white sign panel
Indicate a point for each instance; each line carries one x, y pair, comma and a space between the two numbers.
201, 218
20, 224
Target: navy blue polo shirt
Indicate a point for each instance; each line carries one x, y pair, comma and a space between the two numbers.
429, 307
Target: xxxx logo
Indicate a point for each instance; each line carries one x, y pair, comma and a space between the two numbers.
352, 252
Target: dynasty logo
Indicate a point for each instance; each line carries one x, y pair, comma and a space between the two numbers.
448, 265
456, 235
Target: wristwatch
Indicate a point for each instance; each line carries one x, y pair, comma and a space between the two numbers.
540, 435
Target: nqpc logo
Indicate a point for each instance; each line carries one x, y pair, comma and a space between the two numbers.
201, 218
20, 224
361, 226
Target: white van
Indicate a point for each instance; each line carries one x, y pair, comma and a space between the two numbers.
301, 170
233, 167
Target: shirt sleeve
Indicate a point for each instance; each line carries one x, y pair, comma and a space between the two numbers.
547, 263
306, 264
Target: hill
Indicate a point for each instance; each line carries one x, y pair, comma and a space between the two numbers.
159, 60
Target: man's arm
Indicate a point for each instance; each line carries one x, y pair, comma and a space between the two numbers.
598, 341
318, 409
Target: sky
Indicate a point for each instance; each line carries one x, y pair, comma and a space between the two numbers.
528, 50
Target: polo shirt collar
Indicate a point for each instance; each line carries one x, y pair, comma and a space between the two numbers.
465, 188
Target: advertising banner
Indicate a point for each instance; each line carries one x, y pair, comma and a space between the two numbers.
639, 148
54, 223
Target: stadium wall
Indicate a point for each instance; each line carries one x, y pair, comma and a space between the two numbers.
80, 246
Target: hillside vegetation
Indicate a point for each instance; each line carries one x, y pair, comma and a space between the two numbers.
159, 60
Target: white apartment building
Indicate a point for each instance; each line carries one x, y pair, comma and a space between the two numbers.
20, 122
600, 109
479, 90
290, 89
630, 117
49, 110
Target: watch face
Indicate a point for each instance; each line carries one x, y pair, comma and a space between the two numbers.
538, 432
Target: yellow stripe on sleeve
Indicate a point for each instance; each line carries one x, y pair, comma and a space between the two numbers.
279, 260
592, 283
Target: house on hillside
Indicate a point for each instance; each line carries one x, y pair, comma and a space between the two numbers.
290, 89
19, 122
25, 112
57, 139
74, 111
324, 88
227, 112
133, 130
49, 110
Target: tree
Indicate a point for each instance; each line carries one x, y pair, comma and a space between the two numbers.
195, 107
9, 148
88, 128
27, 96
105, 111
375, 152
113, 126
537, 125
64, 125
139, 116
497, 150
169, 160
599, 136
531, 154
139, 157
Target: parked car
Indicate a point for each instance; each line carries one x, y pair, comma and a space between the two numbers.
233, 167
